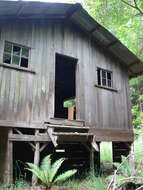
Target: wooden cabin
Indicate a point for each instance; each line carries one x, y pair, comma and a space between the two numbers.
51, 53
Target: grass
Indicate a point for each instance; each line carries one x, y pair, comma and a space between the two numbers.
19, 185
138, 148
90, 182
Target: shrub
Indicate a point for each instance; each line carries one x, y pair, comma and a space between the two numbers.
47, 172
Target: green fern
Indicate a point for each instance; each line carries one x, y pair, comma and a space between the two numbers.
47, 172
64, 176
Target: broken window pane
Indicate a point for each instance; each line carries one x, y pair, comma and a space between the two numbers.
16, 50
109, 75
8, 47
24, 62
104, 82
7, 58
103, 74
25, 52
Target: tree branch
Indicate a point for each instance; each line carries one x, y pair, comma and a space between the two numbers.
135, 6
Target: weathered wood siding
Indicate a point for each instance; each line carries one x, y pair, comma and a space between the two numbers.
29, 98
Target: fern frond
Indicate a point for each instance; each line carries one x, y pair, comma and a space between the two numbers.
46, 167
55, 167
46, 163
65, 175
34, 169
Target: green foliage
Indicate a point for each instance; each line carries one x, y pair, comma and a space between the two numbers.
125, 168
18, 185
136, 90
106, 151
70, 103
127, 173
21, 185
137, 116
99, 184
122, 20
47, 172
138, 145
91, 182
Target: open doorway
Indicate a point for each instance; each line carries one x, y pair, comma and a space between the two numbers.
65, 83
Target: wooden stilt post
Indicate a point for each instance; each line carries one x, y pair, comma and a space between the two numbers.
36, 157
91, 156
10, 160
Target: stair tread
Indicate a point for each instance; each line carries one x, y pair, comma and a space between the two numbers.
65, 122
72, 133
64, 119
66, 126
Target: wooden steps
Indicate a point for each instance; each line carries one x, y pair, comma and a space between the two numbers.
73, 141
63, 130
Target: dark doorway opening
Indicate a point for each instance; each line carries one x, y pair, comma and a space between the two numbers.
22, 153
65, 80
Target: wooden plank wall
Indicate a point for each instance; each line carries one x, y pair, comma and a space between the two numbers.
29, 98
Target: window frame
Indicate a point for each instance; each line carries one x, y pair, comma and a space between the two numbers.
101, 78
20, 56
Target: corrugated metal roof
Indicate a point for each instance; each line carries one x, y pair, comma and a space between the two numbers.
75, 13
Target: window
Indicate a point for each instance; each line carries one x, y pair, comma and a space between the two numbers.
16, 54
104, 78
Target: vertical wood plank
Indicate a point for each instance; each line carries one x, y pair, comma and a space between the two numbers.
36, 158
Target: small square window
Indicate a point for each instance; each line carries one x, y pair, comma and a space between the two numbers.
104, 78
16, 54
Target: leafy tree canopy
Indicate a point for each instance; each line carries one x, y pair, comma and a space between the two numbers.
124, 21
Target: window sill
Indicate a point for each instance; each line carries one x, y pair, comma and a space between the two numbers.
106, 88
17, 68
